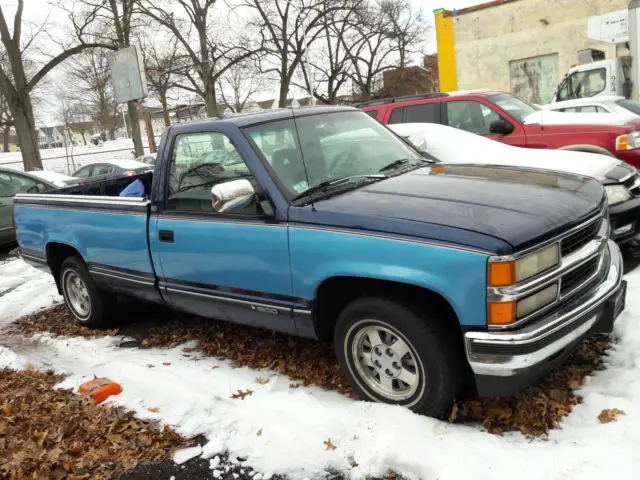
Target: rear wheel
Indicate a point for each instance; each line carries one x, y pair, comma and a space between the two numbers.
88, 304
391, 353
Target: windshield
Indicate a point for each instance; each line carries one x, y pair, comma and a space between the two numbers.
330, 146
630, 105
513, 106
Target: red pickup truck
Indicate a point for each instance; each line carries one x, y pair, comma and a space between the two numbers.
507, 119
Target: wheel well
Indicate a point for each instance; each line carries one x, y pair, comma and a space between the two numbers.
56, 254
333, 294
587, 149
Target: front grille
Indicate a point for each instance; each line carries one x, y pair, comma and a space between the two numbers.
578, 276
579, 239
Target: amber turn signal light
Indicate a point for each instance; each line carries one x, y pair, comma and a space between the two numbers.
502, 313
501, 274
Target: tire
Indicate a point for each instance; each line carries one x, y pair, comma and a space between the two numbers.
424, 373
88, 304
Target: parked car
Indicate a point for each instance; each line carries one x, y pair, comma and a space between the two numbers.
14, 181
149, 159
621, 181
110, 169
507, 119
421, 273
628, 109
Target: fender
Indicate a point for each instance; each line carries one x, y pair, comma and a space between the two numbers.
456, 274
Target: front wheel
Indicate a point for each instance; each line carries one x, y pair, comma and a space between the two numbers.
88, 304
390, 353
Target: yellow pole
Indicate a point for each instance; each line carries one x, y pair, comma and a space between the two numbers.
446, 52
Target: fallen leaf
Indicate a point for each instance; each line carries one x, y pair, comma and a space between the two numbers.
150, 365
145, 342
241, 395
154, 409
354, 464
262, 381
294, 385
259, 433
166, 364
328, 445
609, 415
41, 436
454, 413
6, 408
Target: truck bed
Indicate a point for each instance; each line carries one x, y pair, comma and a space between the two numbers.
111, 187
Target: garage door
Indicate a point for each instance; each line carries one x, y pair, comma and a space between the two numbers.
534, 79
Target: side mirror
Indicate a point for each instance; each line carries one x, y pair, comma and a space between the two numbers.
501, 127
233, 195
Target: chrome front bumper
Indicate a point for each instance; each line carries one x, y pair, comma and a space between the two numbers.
509, 353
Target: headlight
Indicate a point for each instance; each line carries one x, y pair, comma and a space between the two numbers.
630, 141
617, 194
500, 274
536, 301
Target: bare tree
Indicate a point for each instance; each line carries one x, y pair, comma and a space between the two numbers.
17, 84
161, 63
90, 76
115, 23
326, 69
238, 84
210, 57
288, 27
405, 27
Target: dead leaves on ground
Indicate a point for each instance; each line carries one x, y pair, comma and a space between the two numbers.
262, 381
242, 394
534, 411
47, 433
329, 445
609, 415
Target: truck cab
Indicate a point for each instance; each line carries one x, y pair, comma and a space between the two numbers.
608, 77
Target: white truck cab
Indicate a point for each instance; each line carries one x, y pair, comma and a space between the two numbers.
610, 77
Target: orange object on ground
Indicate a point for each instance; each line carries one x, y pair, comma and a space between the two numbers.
100, 389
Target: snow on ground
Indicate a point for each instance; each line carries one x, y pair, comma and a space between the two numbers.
67, 161
282, 430
24, 290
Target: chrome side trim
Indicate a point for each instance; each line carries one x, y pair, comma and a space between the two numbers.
25, 198
120, 277
572, 313
5, 229
390, 237
250, 304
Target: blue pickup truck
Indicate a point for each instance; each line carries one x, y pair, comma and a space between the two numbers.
322, 223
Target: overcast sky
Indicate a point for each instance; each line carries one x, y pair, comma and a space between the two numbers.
38, 11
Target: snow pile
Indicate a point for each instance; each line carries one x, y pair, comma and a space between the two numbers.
24, 290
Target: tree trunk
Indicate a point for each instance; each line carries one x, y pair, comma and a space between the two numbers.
136, 135
210, 99
84, 140
26, 130
284, 90
5, 139
165, 112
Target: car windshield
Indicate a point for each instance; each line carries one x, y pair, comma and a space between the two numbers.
317, 149
513, 106
630, 105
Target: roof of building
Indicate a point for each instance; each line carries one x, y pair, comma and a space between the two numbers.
475, 8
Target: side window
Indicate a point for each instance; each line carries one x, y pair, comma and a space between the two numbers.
372, 113
396, 116
83, 172
588, 83
425, 113
601, 110
588, 109
471, 116
198, 162
102, 170
7, 189
22, 184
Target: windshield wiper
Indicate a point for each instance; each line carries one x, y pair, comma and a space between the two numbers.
331, 182
400, 162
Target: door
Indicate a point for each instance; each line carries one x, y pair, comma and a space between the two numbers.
232, 266
7, 191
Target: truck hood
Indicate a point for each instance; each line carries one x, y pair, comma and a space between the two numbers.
518, 206
451, 145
